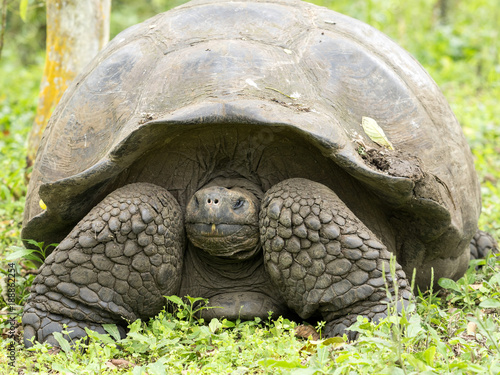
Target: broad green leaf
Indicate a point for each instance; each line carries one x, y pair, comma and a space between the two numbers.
63, 343
305, 371
476, 262
343, 357
495, 279
228, 324
214, 325
35, 243
415, 362
16, 249
176, 300
270, 362
157, 368
375, 132
112, 329
23, 10
381, 343
414, 327
135, 327
429, 355
99, 337
334, 341
448, 284
62, 369
322, 356
33, 257
490, 303
478, 369
25, 254
393, 370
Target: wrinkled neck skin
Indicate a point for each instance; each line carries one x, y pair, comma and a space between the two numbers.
242, 287
223, 260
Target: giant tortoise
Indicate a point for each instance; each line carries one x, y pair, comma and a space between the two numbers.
217, 151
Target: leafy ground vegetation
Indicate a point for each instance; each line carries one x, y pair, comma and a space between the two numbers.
455, 331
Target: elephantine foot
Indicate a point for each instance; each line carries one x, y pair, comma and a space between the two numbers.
481, 244
323, 258
40, 325
116, 265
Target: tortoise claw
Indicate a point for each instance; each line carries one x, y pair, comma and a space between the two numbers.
481, 244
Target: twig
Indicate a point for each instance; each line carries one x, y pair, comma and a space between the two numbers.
278, 91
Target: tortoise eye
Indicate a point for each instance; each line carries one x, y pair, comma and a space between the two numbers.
238, 203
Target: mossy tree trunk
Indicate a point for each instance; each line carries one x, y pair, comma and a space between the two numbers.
76, 31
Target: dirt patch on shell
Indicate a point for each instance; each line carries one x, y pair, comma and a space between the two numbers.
394, 163
297, 106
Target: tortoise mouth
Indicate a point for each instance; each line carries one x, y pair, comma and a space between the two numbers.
226, 240
216, 230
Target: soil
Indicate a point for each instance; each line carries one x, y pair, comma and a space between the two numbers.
394, 163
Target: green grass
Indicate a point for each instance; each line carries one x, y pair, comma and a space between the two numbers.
454, 332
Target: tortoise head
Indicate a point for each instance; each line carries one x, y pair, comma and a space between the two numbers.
223, 220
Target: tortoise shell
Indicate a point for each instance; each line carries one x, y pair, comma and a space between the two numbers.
267, 91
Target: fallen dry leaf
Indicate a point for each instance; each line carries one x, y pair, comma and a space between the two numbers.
304, 331
119, 363
54, 350
471, 328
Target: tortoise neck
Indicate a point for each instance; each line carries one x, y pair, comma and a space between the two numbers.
225, 267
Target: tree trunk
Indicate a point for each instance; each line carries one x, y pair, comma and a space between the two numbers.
443, 11
3, 24
76, 31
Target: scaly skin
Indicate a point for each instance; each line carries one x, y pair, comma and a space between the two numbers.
127, 253
224, 221
117, 264
481, 244
323, 258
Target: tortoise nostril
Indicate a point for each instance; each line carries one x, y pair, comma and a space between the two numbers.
212, 201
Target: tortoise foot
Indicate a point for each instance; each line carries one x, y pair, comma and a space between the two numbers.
323, 258
116, 265
481, 244
40, 325
375, 309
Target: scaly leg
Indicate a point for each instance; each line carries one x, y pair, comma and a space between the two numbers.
481, 244
323, 258
116, 265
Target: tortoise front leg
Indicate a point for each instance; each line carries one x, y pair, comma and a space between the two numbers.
116, 265
482, 244
323, 258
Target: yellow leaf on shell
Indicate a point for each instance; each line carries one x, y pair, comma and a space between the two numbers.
375, 132
42, 205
